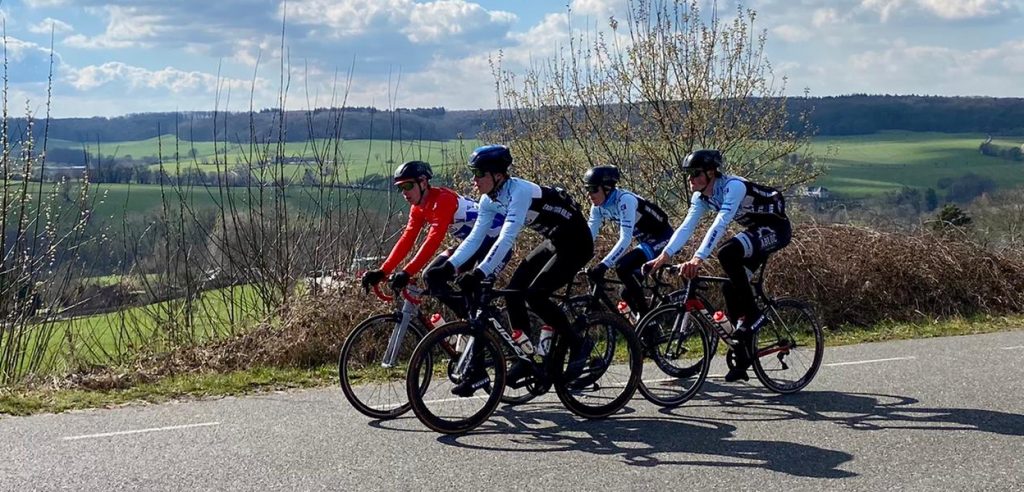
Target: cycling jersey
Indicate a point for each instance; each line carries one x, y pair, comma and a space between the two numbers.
523, 203
636, 217
734, 198
444, 211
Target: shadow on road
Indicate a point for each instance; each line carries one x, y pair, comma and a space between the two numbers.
681, 437
644, 441
864, 411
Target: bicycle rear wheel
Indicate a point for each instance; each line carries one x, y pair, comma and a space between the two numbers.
435, 373
679, 348
611, 374
374, 386
788, 347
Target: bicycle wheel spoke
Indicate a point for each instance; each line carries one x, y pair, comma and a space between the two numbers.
677, 353
372, 388
789, 347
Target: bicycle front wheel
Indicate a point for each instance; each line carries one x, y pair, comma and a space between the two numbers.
612, 371
788, 347
456, 376
679, 349
371, 378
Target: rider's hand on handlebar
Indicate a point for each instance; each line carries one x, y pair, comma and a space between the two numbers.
470, 282
691, 268
596, 272
371, 278
654, 264
399, 280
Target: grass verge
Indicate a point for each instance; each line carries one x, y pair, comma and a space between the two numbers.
27, 401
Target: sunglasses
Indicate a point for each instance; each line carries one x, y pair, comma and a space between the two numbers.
593, 189
406, 185
477, 173
693, 173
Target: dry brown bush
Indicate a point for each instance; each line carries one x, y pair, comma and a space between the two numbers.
861, 276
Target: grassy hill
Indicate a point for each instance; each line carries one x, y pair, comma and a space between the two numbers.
867, 165
856, 166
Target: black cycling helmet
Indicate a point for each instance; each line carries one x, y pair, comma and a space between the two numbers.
491, 159
703, 159
412, 171
602, 176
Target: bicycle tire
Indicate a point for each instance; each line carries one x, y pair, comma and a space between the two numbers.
688, 344
360, 349
610, 334
791, 324
429, 389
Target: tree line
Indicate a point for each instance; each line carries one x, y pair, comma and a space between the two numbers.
839, 115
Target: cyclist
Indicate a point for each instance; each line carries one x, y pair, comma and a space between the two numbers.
567, 247
443, 211
761, 210
637, 217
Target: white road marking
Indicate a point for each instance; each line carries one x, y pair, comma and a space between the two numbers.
835, 364
1018, 347
140, 431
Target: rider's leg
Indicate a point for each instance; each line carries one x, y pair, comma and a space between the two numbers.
747, 249
627, 268
572, 255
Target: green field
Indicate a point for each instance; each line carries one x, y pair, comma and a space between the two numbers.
357, 158
855, 166
867, 165
111, 200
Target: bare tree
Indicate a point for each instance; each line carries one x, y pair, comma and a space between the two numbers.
646, 91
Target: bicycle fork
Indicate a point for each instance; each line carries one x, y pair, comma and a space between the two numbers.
398, 335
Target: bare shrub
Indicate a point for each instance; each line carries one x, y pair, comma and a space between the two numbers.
861, 276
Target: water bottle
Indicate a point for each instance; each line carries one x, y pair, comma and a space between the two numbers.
544, 343
724, 325
436, 320
523, 340
623, 307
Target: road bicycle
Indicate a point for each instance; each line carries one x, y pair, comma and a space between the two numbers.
438, 378
787, 350
374, 358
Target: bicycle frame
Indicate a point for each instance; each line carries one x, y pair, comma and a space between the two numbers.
411, 297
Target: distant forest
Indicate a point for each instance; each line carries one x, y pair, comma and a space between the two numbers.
829, 116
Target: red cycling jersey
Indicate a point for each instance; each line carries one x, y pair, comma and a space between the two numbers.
438, 210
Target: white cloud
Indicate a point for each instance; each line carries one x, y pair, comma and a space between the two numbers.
598, 8
824, 17
45, 26
951, 10
46, 3
967, 9
791, 33
166, 79
127, 27
436, 21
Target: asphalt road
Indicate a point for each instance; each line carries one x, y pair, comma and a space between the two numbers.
930, 414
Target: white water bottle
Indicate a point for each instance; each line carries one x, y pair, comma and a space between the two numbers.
523, 340
723, 322
544, 343
436, 320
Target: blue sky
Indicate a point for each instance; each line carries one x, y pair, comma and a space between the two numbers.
129, 56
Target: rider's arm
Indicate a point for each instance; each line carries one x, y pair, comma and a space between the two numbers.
405, 242
627, 221
685, 230
518, 207
440, 216
481, 227
595, 220
735, 190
